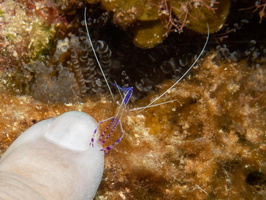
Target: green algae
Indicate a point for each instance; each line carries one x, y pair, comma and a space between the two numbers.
149, 34
173, 14
1, 13
41, 40
125, 12
27, 31
150, 12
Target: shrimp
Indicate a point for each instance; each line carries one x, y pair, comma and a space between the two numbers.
115, 120
126, 95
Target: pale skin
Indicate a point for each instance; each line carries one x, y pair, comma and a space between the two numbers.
52, 160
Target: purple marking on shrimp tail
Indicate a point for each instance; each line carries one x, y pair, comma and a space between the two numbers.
106, 129
113, 145
92, 138
111, 132
92, 142
94, 134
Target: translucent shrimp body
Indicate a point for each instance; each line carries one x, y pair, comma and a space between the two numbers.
127, 93
109, 130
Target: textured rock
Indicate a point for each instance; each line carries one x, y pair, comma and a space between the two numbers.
26, 28
161, 17
208, 144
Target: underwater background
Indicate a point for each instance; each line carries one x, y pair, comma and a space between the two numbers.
209, 143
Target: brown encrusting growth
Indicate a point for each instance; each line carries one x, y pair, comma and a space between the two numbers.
152, 20
208, 144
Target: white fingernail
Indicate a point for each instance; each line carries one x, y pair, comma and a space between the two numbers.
73, 130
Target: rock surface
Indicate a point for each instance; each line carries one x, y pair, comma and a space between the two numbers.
209, 143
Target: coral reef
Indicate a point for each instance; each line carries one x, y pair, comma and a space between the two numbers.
31, 37
208, 144
128, 65
70, 74
49, 88
152, 20
196, 14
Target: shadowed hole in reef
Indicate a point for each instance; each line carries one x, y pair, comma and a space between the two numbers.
257, 180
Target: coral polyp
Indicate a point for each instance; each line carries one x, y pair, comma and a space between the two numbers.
71, 73
67, 76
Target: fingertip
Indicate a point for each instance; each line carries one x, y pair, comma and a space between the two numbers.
73, 130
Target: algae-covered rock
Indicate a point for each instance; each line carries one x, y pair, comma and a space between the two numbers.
173, 14
149, 34
26, 29
151, 28
196, 14
208, 144
143, 18
93, 1
150, 12
125, 12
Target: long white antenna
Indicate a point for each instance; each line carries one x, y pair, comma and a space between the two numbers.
95, 55
184, 73
158, 104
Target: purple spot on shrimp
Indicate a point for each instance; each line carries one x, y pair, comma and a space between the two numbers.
111, 127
